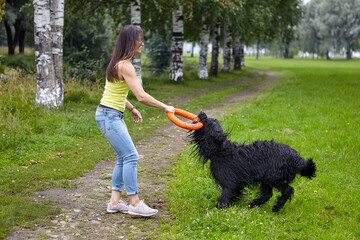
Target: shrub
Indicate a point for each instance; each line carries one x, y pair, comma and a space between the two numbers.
159, 52
22, 61
77, 96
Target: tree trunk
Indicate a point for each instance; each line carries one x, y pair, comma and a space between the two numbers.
57, 26
176, 66
46, 84
203, 70
215, 50
11, 49
286, 51
136, 20
22, 40
226, 67
328, 56
242, 54
192, 49
348, 54
13, 41
257, 50
237, 58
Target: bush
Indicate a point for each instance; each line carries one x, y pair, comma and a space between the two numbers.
22, 61
2, 69
81, 65
159, 52
77, 96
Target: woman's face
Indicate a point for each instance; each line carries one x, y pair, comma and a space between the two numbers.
139, 45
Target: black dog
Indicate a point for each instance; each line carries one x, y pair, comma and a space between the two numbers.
235, 166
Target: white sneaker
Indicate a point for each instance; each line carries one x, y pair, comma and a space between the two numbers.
141, 210
120, 207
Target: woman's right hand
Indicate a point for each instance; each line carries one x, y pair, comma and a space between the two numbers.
169, 109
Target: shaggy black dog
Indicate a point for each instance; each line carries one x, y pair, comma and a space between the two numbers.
235, 166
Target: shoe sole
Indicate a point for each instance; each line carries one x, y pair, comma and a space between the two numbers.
141, 215
113, 211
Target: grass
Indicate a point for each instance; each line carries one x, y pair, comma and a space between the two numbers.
315, 109
41, 148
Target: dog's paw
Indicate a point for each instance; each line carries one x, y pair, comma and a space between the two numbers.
276, 208
220, 205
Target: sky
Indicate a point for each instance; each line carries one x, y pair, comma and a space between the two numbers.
306, 1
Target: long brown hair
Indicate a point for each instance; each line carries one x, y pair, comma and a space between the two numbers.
126, 44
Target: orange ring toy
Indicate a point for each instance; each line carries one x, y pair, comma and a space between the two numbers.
183, 113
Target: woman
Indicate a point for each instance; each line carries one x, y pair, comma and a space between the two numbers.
120, 78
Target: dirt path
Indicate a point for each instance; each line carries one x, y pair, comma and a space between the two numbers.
83, 214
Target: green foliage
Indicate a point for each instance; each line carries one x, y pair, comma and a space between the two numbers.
77, 96
315, 110
158, 50
330, 25
22, 61
88, 43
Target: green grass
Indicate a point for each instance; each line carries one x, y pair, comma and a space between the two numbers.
41, 148
316, 110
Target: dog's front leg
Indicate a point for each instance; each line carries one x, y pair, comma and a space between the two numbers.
226, 198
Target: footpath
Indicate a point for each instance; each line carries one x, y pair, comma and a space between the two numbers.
83, 208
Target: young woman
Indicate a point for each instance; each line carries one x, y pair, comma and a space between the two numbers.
120, 78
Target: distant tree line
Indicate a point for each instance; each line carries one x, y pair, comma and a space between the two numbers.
90, 29
331, 25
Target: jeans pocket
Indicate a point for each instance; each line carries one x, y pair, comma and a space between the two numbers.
101, 126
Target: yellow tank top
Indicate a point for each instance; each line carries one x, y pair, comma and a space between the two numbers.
115, 94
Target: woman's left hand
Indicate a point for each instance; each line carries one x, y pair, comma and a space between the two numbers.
136, 115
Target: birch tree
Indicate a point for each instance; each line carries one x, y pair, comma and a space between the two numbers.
176, 66
135, 9
202, 69
49, 91
237, 54
57, 25
242, 54
215, 49
226, 67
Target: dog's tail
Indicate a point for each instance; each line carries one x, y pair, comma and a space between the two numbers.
309, 169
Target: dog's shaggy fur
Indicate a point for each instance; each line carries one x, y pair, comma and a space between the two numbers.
235, 166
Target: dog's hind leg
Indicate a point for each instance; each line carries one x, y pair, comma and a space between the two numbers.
286, 192
266, 194
227, 196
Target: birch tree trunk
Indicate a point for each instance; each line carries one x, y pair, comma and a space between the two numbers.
237, 58
226, 67
136, 20
202, 69
176, 66
57, 25
214, 67
242, 54
46, 84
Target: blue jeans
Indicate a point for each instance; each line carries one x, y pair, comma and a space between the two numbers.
112, 125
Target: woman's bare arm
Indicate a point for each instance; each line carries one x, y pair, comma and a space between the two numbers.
127, 71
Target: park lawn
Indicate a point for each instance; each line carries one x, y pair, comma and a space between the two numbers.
316, 110
41, 148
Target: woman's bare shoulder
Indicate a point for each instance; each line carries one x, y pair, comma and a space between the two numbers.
125, 69
125, 65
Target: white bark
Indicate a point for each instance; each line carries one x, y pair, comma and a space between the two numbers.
203, 70
176, 67
57, 25
46, 85
215, 50
136, 20
226, 67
